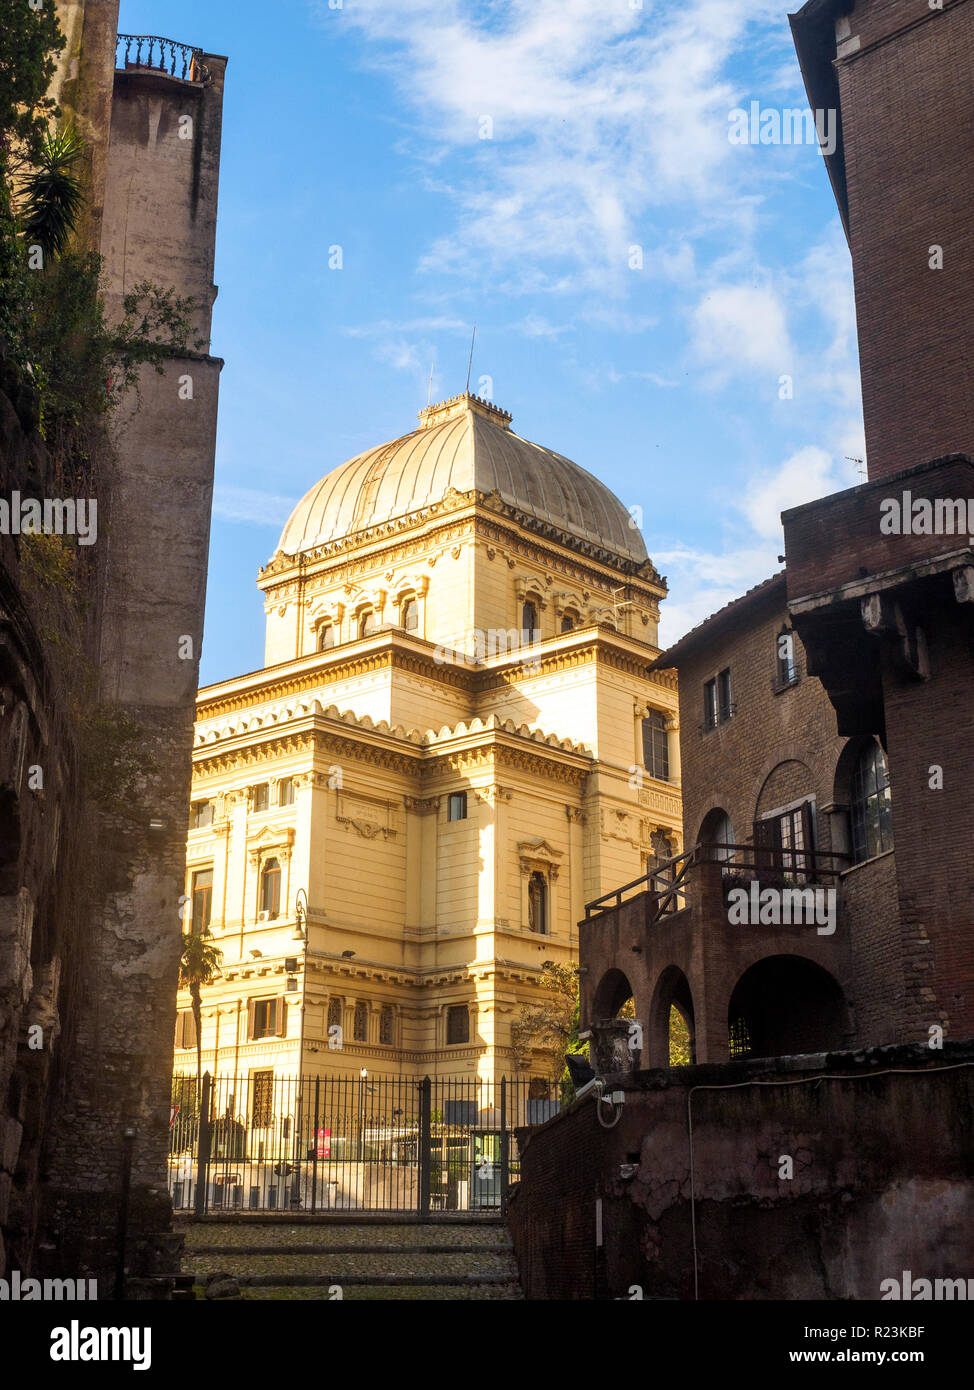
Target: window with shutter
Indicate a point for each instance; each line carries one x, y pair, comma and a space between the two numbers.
457, 1024
202, 894
656, 746
280, 1018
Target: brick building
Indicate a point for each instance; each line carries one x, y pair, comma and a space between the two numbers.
800, 759
772, 795
835, 698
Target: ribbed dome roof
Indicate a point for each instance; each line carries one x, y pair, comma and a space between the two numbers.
464, 444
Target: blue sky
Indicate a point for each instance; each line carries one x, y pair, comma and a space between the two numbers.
363, 126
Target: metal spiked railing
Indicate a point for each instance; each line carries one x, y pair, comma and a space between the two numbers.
162, 55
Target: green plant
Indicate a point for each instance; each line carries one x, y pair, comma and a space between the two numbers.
49, 195
198, 964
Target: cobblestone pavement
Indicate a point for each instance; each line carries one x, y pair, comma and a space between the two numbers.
416, 1262
437, 1293
226, 1233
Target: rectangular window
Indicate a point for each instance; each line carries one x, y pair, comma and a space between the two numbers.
285, 795
717, 705
202, 891
457, 809
457, 1024
261, 797
656, 746
262, 1111
784, 844
267, 1018
185, 1028
201, 815
786, 661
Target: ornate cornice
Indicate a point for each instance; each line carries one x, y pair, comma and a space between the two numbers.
436, 526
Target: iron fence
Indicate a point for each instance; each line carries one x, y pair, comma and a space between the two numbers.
349, 1143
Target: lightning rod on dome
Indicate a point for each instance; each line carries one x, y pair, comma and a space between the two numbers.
429, 389
473, 339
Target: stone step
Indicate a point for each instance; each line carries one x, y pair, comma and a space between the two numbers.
350, 1250
399, 1292
388, 1264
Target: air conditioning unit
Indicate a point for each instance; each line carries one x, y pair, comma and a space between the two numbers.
263, 916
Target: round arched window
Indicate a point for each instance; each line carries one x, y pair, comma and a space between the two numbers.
872, 805
410, 615
326, 637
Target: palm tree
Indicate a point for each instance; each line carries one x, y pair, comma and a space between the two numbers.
50, 195
198, 964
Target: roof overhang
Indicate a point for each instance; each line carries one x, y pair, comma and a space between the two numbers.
813, 30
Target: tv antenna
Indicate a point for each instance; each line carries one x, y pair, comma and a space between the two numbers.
862, 466
473, 339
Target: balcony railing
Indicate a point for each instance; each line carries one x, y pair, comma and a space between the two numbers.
666, 885
160, 55
772, 865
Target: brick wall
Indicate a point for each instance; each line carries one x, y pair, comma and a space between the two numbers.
880, 1182
910, 189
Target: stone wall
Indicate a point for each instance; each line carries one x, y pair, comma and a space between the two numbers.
880, 1144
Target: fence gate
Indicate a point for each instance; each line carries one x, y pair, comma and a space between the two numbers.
397, 1144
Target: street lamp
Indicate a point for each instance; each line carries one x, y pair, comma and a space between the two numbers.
300, 933
363, 1077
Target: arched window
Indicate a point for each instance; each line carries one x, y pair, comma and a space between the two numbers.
360, 1021
326, 637
367, 623
569, 622
872, 806
717, 831
334, 1012
538, 903
529, 623
787, 666
270, 888
385, 1025
410, 615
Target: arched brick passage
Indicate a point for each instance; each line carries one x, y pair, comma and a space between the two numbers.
783, 1005
672, 991
613, 991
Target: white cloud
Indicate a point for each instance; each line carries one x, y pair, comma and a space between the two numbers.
599, 111
739, 327
806, 475
250, 505
703, 581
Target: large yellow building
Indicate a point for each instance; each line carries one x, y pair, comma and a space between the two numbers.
454, 744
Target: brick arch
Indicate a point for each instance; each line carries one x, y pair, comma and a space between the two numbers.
783, 753
790, 786
672, 989
845, 766
610, 994
790, 1003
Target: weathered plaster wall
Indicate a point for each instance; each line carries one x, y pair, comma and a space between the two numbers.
883, 1150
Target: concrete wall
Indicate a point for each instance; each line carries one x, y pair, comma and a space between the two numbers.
881, 1182
158, 224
